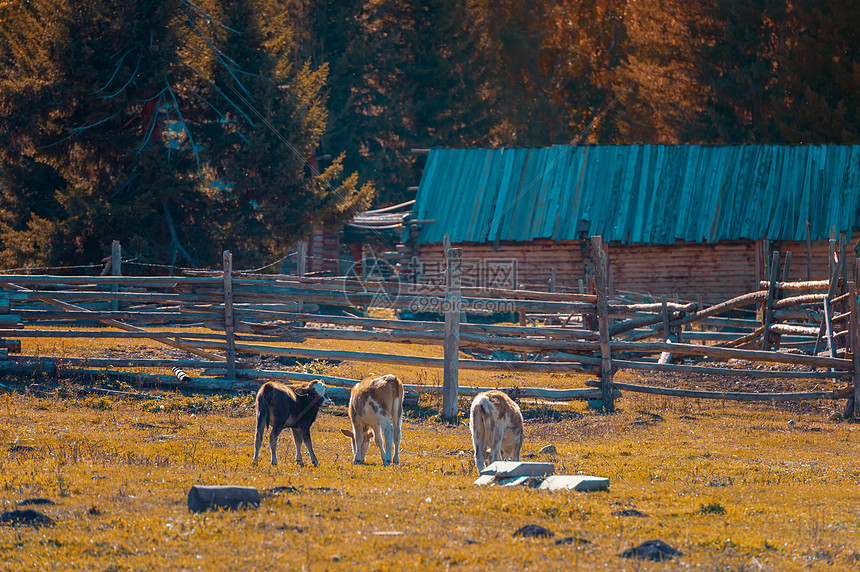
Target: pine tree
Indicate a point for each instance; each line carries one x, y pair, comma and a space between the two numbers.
179, 128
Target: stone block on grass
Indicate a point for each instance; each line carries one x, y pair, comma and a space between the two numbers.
511, 469
574, 483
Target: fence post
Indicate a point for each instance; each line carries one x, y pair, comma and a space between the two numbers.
451, 345
115, 269
767, 320
855, 343
302, 269
228, 315
600, 283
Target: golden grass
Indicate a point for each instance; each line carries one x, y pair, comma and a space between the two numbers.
732, 486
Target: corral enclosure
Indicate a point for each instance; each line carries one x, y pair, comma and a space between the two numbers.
710, 475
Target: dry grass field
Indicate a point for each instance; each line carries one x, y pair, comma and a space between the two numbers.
732, 486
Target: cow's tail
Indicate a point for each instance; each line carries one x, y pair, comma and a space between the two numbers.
263, 410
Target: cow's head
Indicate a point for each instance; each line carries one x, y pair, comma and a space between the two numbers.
321, 390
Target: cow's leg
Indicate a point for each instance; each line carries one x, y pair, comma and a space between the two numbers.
518, 446
258, 438
366, 436
357, 443
297, 437
397, 423
479, 442
496, 446
306, 436
388, 434
273, 443
377, 438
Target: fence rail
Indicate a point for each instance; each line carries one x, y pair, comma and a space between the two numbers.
219, 316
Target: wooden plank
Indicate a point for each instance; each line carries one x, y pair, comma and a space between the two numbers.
67, 361
228, 314
127, 315
451, 343
600, 274
415, 325
154, 335
730, 396
115, 269
727, 372
831, 292
302, 265
103, 334
466, 340
726, 353
416, 389
143, 281
767, 340
854, 325
584, 364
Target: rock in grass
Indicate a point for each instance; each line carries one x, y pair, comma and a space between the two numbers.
202, 497
629, 512
572, 540
655, 550
35, 501
534, 531
27, 517
548, 450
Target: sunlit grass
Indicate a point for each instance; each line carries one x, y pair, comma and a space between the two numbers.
731, 486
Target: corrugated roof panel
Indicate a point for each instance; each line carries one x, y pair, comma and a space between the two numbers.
557, 170
640, 194
534, 196
573, 190
561, 181
579, 213
474, 170
706, 203
852, 181
521, 200
635, 218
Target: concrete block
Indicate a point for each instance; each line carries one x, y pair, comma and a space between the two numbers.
516, 481
490, 480
505, 469
575, 483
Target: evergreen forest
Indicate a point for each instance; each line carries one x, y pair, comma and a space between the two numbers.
184, 128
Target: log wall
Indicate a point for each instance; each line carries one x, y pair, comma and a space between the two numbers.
691, 271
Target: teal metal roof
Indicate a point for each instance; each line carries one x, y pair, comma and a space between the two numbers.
650, 194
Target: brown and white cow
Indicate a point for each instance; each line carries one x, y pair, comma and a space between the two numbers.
497, 428
376, 410
284, 406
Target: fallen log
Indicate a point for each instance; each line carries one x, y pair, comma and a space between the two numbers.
732, 395
727, 353
580, 366
415, 389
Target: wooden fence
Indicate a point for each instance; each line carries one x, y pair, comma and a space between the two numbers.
809, 325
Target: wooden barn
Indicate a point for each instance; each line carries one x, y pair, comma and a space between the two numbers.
691, 222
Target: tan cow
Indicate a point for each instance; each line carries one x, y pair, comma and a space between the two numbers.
497, 428
376, 409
